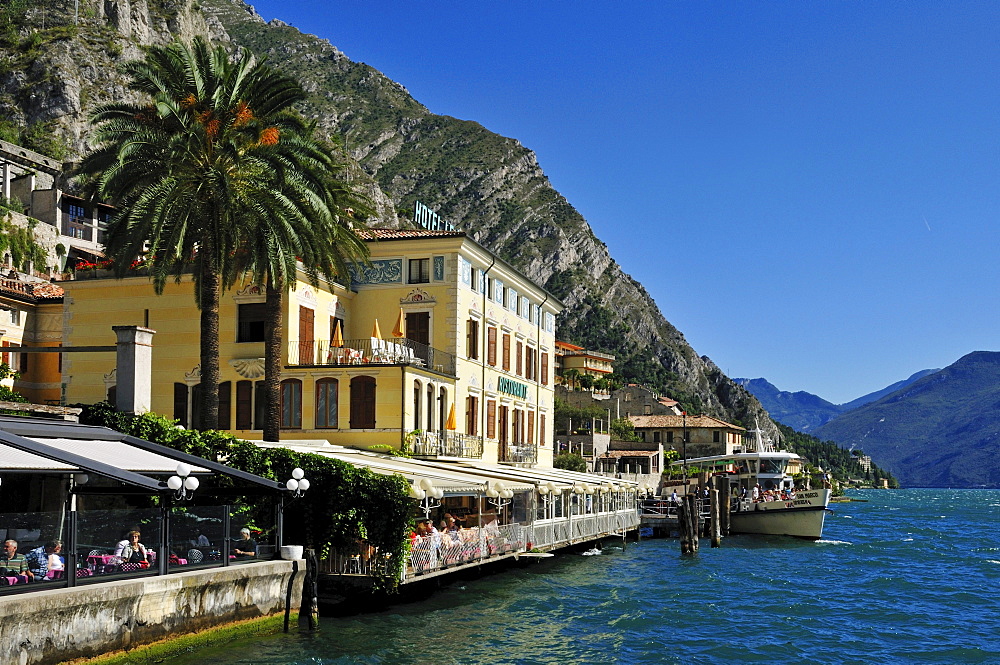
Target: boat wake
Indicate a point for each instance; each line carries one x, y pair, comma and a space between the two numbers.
834, 542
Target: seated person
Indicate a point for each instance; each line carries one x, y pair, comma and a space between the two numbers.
131, 550
13, 564
200, 541
245, 547
45, 558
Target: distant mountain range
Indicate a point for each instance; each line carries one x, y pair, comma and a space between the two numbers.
939, 428
943, 430
804, 411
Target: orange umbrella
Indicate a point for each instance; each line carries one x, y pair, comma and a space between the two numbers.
451, 424
338, 337
376, 333
400, 329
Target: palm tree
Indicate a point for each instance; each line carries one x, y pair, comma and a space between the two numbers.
313, 232
571, 375
193, 169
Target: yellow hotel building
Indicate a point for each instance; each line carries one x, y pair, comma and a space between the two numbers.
460, 363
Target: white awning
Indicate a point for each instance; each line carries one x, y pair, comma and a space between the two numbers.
118, 454
12, 459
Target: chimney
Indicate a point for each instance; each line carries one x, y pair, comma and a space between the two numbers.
135, 364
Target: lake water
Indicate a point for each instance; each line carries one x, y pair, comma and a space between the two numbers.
911, 576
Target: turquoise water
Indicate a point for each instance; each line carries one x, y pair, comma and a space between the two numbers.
911, 576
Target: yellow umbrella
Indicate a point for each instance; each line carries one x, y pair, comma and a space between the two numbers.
338, 337
376, 333
400, 329
451, 424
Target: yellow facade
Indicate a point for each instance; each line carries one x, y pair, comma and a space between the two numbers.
396, 392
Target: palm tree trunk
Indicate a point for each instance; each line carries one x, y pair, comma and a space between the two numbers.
209, 297
272, 361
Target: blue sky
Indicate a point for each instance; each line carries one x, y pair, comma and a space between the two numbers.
809, 190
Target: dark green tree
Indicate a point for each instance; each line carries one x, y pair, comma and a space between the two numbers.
214, 156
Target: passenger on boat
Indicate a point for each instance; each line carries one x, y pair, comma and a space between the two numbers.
756, 493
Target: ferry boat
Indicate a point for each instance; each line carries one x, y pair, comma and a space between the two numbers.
802, 515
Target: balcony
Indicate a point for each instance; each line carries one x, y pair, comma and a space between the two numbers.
370, 351
518, 453
445, 444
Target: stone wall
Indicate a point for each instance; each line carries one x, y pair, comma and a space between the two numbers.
57, 625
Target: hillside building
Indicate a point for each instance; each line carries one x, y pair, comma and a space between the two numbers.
705, 435
582, 362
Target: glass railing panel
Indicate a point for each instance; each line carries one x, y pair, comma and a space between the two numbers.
197, 537
33, 565
105, 546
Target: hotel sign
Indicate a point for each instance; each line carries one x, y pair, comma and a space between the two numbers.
512, 387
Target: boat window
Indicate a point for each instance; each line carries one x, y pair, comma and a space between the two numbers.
743, 467
772, 466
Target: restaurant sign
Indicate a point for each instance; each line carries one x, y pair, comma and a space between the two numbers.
511, 387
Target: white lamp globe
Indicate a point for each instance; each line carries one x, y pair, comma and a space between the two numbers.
507, 494
174, 483
298, 474
292, 484
543, 490
426, 484
492, 493
191, 483
552, 487
438, 493
417, 493
304, 484
183, 470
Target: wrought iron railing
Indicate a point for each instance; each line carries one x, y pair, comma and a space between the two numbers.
446, 444
370, 351
518, 453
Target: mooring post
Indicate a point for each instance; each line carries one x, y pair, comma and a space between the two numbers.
725, 504
715, 522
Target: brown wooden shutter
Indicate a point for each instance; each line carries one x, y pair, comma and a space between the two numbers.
541, 429
244, 405
472, 339
491, 346
181, 404
306, 320
531, 426
519, 358
545, 369
471, 415
505, 358
363, 402
225, 404
491, 418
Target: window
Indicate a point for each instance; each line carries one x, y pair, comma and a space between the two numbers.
291, 404
472, 339
491, 418
15, 316
477, 278
715, 436
506, 353
656, 437
670, 437
430, 407
417, 394
491, 345
443, 408
420, 271
513, 300
363, 402
472, 415
529, 364
250, 327
545, 369
181, 404
519, 359
326, 403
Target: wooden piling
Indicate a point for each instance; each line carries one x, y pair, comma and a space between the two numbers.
687, 522
725, 505
715, 524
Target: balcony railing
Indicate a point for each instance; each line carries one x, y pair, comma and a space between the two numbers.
371, 351
518, 453
446, 444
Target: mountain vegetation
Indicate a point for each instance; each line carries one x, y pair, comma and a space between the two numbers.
59, 60
940, 431
841, 463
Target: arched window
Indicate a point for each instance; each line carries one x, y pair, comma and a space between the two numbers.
326, 403
430, 408
363, 402
291, 404
417, 394
443, 408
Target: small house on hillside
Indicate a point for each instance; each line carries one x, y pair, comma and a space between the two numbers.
705, 435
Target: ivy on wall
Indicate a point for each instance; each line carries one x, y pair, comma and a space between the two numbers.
343, 504
20, 243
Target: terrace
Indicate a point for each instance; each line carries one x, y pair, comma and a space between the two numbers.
370, 351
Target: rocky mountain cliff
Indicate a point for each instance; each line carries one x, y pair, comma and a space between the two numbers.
55, 68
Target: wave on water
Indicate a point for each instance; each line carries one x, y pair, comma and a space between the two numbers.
834, 542
993, 561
